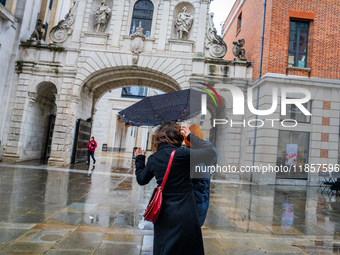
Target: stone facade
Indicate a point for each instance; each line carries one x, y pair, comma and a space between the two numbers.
79, 71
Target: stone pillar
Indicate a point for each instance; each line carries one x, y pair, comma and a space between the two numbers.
164, 25
138, 142
150, 139
16, 129
201, 27
118, 12
78, 24
63, 135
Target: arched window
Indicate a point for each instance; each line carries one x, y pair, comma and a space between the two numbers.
142, 16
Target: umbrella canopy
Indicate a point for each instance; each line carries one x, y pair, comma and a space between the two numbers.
152, 111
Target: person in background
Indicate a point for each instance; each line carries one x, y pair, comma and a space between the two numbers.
201, 180
92, 145
177, 230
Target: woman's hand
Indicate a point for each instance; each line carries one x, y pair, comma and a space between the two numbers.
185, 131
139, 152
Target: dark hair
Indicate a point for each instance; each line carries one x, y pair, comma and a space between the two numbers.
167, 132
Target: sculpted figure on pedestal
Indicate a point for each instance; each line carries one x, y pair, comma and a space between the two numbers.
238, 50
102, 14
184, 22
39, 32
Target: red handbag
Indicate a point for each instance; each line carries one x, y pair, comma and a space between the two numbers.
154, 207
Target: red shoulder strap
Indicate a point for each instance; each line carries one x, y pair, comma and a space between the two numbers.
168, 169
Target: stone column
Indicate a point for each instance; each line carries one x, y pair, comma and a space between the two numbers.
78, 24
63, 135
202, 22
118, 12
19, 112
164, 25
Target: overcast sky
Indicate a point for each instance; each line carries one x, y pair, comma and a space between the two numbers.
221, 9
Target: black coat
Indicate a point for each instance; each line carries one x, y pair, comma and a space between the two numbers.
177, 230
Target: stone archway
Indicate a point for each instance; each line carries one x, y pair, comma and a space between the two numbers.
100, 82
38, 127
93, 87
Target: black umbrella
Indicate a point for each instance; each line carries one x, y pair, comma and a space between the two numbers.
154, 110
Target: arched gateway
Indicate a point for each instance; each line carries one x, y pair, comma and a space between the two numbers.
67, 77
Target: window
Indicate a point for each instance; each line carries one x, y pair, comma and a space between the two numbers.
292, 153
142, 16
293, 112
50, 6
298, 44
239, 23
136, 92
3, 2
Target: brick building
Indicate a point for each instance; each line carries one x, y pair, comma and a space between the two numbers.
319, 39
299, 50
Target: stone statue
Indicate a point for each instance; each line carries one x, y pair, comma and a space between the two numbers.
137, 44
102, 17
239, 51
39, 32
184, 22
63, 29
216, 45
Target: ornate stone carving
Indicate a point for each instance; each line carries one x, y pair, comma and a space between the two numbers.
137, 44
183, 23
238, 50
32, 96
63, 29
38, 34
216, 45
102, 14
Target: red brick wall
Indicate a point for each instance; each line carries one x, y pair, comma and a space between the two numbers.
324, 42
230, 15
250, 31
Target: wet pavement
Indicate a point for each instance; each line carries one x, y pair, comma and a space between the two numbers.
98, 210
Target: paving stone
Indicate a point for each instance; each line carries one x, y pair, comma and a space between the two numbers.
26, 248
80, 241
118, 249
147, 243
137, 239
8, 234
212, 247
67, 217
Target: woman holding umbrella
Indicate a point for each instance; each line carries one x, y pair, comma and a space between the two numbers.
177, 229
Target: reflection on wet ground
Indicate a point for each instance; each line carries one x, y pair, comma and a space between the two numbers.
98, 210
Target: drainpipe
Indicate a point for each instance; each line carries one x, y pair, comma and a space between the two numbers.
258, 87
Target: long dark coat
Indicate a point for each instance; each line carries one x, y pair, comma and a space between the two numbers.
177, 230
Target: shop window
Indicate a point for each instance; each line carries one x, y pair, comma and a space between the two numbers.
3, 2
294, 113
298, 44
142, 16
134, 91
292, 154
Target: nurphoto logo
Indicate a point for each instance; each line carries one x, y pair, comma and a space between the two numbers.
238, 105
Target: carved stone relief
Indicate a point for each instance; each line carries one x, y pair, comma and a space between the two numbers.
216, 45
63, 29
137, 44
